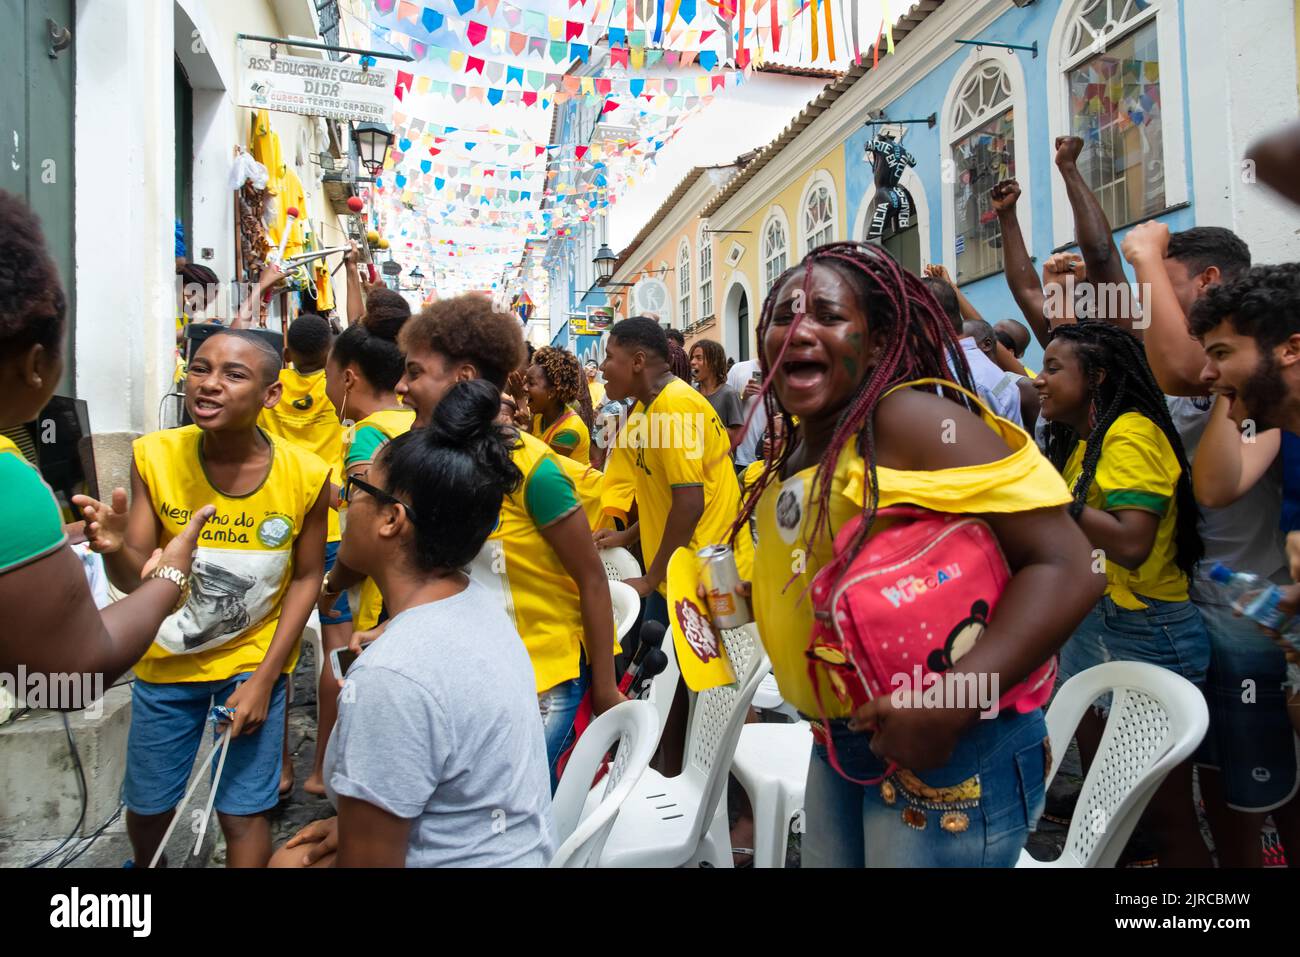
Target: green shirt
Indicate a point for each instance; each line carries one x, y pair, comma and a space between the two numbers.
31, 525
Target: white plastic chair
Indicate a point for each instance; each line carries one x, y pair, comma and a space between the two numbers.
627, 605
771, 764
582, 837
768, 698
681, 821
620, 564
1156, 720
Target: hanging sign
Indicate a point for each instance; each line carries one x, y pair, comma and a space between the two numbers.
338, 91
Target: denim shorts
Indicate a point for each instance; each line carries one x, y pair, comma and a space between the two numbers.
167, 726
559, 706
341, 606
1169, 634
1251, 740
975, 811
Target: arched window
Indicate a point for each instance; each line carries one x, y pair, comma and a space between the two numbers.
684, 284
818, 216
776, 250
1110, 62
983, 152
705, 244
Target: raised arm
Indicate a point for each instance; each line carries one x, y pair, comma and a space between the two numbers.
1176, 358
1226, 465
968, 312
1276, 158
251, 307
356, 302
1091, 229
1017, 266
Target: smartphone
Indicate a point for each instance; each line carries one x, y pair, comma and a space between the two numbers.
341, 659
757, 377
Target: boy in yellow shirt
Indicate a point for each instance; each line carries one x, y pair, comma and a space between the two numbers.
686, 488
306, 417
256, 574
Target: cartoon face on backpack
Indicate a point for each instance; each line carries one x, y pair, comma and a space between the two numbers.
961, 639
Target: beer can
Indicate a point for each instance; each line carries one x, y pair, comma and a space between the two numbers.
727, 607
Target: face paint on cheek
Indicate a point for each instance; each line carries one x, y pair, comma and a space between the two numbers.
851, 362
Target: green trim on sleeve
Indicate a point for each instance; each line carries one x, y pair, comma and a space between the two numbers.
566, 439
549, 494
367, 441
1125, 498
31, 525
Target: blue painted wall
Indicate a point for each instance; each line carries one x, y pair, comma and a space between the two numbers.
991, 295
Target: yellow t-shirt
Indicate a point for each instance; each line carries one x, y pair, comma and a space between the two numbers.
360, 443
1022, 481
1137, 470
243, 562
306, 417
519, 566
618, 485
680, 442
568, 436
597, 392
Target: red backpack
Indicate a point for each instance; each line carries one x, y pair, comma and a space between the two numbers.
916, 598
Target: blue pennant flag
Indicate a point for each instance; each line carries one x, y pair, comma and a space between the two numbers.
400, 180
432, 20
465, 6
636, 86
494, 96
425, 166
439, 182
707, 59
470, 146
403, 145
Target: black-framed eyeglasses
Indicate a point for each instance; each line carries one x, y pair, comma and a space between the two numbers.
374, 492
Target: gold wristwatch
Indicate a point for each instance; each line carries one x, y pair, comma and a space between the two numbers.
177, 578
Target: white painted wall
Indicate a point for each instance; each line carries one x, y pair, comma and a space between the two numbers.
124, 203
123, 208
1241, 80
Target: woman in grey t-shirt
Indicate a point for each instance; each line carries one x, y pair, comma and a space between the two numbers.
437, 759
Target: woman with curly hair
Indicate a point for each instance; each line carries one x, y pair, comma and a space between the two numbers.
555, 385
1111, 436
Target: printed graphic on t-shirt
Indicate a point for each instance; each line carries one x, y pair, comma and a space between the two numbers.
230, 591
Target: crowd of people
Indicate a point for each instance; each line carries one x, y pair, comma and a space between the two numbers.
439, 491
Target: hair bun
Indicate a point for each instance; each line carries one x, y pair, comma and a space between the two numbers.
386, 313
466, 415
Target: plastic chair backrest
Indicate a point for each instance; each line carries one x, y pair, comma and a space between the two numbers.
627, 606
634, 726
718, 715
620, 564
1156, 720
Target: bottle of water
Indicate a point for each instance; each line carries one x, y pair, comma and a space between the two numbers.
1255, 597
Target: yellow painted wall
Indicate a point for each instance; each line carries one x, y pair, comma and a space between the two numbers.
788, 197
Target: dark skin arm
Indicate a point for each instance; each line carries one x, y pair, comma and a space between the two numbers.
1045, 550
1091, 230
54, 626
341, 577
684, 514
126, 538
1276, 158
1030, 403
1022, 278
356, 302
369, 836
1126, 535
570, 537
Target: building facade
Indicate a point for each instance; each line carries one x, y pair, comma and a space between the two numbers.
1165, 93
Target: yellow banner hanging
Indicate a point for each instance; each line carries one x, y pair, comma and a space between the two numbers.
700, 652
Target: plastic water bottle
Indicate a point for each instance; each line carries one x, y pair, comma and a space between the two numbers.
1255, 597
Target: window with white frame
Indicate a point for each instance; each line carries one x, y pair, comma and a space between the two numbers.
818, 218
776, 250
706, 274
684, 284
983, 154
1111, 63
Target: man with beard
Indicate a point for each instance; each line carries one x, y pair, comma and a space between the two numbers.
1250, 331
1247, 762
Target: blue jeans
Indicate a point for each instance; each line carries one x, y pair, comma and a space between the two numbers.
559, 706
167, 727
976, 811
1169, 634
1251, 740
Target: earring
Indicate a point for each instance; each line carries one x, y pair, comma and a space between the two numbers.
1092, 413
38, 382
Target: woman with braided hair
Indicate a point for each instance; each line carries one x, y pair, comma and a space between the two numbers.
1111, 436
556, 385
843, 337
